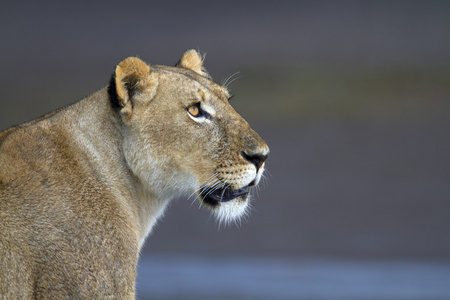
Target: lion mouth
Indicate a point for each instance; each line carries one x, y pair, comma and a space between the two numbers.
215, 196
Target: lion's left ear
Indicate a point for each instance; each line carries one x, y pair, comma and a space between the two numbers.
192, 60
131, 75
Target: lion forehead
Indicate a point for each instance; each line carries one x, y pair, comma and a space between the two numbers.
188, 81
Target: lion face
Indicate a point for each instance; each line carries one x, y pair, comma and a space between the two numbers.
182, 136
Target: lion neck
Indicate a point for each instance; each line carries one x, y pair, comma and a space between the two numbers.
104, 153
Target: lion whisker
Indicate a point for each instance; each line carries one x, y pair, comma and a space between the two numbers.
229, 79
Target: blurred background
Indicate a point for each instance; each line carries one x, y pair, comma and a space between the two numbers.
353, 97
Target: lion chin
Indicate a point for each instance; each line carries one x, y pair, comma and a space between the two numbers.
227, 204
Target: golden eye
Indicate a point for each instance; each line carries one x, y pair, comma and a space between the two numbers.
194, 111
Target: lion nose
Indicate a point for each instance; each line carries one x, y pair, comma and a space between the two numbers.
256, 158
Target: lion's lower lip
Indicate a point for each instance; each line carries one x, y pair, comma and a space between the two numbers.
215, 196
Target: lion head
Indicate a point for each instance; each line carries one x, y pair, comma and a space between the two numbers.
182, 136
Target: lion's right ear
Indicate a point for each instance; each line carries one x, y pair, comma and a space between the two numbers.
192, 60
130, 76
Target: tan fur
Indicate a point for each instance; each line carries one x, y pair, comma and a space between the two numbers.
192, 60
81, 188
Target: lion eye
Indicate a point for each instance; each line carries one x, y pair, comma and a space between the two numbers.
197, 112
194, 111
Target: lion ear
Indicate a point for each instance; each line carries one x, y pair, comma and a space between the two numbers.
192, 60
130, 76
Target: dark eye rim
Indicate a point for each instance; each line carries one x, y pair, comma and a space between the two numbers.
201, 112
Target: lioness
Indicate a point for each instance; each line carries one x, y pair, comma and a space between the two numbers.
81, 187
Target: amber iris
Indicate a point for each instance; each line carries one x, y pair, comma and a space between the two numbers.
194, 111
